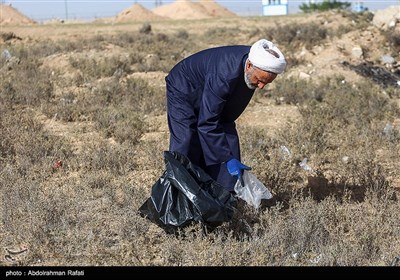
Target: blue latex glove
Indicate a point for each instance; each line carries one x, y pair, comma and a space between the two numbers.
235, 167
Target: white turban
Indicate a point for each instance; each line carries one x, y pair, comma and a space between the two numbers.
262, 56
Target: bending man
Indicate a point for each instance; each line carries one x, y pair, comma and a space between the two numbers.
206, 93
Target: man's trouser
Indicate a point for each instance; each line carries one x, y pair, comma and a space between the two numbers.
184, 138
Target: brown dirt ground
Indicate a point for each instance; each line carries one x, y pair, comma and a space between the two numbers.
322, 60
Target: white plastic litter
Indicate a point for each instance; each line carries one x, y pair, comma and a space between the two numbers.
285, 152
388, 129
251, 190
303, 164
6, 55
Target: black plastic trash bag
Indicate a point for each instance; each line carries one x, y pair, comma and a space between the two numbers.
185, 193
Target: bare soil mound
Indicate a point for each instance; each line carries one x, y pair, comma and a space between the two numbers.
11, 16
216, 10
137, 13
183, 10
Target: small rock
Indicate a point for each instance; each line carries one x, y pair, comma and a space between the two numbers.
345, 159
357, 52
304, 76
387, 59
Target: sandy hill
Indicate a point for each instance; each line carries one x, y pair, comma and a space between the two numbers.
216, 10
183, 9
137, 13
10, 15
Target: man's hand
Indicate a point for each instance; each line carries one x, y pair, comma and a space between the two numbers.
235, 167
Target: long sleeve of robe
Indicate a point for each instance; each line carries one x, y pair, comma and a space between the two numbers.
211, 84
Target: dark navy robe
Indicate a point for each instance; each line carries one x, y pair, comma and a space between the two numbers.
206, 93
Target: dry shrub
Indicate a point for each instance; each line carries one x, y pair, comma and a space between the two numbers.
145, 28
41, 49
133, 93
60, 217
34, 89
393, 37
67, 222
360, 20
333, 107
157, 51
146, 52
116, 159
26, 145
343, 212
182, 34
221, 33
360, 104
96, 68
123, 124
270, 163
147, 100
117, 108
294, 36
294, 91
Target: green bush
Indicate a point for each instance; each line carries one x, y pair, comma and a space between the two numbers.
324, 6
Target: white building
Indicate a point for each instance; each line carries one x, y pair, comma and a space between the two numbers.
275, 7
359, 6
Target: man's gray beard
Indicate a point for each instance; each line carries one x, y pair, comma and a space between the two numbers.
247, 81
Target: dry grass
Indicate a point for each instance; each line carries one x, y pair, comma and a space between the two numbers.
80, 149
